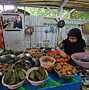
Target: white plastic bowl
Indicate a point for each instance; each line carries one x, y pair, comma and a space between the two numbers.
81, 55
35, 83
14, 86
45, 65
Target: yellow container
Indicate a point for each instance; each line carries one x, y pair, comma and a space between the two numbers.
86, 28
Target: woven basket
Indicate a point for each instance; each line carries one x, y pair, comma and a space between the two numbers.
86, 28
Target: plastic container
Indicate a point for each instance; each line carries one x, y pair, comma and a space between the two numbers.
65, 70
86, 28
64, 76
35, 83
14, 86
58, 53
81, 55
45, 64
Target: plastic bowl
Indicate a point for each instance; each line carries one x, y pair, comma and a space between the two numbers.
64, 76
14, 86
58, 53
35, 83
53, 52
81, 55
48, 66
65, 70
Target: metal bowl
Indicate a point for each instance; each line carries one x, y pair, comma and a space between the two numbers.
9, 58
24, 64
34, 61
24, 56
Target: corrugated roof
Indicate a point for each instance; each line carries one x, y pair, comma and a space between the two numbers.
76, 4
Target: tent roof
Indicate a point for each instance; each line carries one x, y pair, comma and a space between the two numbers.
76, 4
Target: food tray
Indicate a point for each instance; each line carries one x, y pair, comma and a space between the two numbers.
58, 53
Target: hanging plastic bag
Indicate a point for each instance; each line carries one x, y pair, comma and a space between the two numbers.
52, 29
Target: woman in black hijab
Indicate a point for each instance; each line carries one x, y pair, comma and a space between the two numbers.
73, 43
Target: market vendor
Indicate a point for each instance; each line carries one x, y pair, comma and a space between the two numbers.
72, 44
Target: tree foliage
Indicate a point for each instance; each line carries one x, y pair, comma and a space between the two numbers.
44, 12
80, 15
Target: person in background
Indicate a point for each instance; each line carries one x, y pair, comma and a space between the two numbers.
17, 22
72, 44
5, 23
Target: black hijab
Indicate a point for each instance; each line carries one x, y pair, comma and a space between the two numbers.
78, 46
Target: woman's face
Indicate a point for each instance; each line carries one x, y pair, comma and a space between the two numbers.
72, 39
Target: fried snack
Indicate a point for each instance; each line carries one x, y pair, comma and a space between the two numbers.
65, 69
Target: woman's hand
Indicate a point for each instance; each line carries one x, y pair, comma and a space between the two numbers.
62, 53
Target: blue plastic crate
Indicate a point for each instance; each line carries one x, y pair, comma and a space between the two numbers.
74, 85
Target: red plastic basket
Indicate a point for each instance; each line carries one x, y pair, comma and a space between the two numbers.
58, 53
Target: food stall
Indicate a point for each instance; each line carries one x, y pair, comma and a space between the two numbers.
29, 60
38, 71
